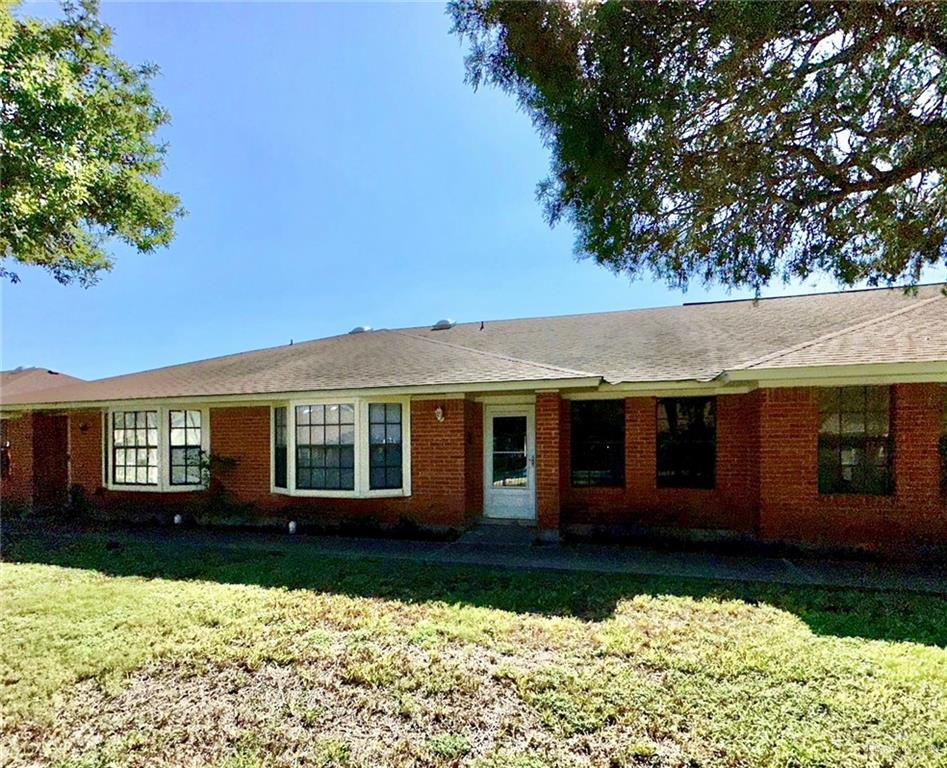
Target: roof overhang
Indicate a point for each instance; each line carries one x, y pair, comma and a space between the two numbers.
840, 375
236, 399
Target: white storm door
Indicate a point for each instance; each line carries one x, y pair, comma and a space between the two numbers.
509, 455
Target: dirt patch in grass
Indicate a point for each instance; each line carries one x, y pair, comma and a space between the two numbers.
318, 714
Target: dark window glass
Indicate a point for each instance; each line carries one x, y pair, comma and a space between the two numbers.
279, 447
184, 441
854, 441
687, 442
598, 443
509, 452
325, 447
384, 445
135, 447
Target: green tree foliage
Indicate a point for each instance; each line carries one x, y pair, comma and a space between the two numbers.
733, 142
78, 154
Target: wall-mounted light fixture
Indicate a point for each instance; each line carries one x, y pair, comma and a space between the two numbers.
439, 413
83, 427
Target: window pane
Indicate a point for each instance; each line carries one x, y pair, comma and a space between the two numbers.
325, 452
185, 447
136, 465
598, 443
279, 447
686, 442
855, 457
384, 439
509, 470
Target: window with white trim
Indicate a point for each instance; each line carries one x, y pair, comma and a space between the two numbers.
135, 447
354, 447
384, 445
325, 447
155, 449
280, 471
185, 449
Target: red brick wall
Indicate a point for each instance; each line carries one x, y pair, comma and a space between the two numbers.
473, 460
790, 504
243, 435
548, 455
731, 505
85, 452
16, 490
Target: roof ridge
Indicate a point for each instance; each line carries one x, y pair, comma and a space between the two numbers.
835, 334
683, 305
496, 355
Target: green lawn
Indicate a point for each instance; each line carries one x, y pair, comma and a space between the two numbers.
129, 654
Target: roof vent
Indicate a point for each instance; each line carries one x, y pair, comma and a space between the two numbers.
442, 325
361, 329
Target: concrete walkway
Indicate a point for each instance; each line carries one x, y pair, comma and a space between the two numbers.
510, 547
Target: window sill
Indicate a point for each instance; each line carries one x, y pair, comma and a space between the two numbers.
395, 493
155, 488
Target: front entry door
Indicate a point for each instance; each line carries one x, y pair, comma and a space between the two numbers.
509, 471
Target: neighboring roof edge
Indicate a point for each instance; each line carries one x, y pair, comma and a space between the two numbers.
758, 362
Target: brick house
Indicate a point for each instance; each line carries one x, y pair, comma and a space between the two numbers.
816, 419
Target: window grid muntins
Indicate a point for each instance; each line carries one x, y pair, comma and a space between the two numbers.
855, 440
184, 440
325, 447
686, 442
384, 446
135, 447
598, 443
279, 447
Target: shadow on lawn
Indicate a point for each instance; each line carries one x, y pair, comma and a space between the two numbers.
890, 616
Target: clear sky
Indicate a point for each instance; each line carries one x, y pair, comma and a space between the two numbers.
337, 171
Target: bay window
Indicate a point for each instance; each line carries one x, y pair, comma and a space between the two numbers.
155, 448
280, 457
325, 447
353, 447
384, 440
135, 447
185, 450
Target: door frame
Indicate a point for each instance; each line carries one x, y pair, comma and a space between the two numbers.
526, 497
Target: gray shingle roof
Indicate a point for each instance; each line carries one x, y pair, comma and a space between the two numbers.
699, 341
21, 381
686, 343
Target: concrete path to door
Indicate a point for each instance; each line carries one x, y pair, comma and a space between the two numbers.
514, 547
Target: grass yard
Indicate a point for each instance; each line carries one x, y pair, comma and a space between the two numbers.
114, 652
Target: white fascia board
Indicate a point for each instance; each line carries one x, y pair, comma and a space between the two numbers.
420, 392
840, 375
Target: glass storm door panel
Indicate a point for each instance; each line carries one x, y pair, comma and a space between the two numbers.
509, 463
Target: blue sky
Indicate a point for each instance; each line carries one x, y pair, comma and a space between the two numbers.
337, 171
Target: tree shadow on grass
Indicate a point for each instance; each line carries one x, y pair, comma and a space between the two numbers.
890, 616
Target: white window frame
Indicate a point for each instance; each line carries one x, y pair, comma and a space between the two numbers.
164, 448
362, 488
